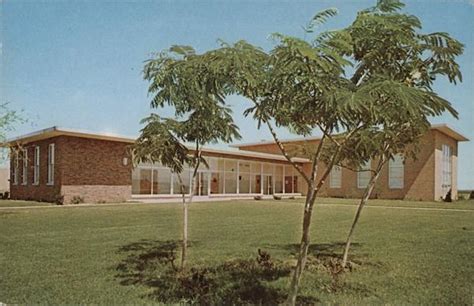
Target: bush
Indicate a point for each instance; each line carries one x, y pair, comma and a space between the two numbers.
77, 200
275, 197
448, 198
258, 198
59, 199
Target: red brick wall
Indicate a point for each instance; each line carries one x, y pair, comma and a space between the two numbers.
85, 161
42, 191
79, 162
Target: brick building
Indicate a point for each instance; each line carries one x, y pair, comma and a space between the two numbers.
60, 165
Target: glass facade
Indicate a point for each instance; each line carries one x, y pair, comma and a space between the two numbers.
224, 176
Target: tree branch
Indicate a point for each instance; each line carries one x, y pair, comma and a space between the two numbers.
285, 154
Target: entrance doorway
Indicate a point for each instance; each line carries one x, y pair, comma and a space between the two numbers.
202, 184
267, 184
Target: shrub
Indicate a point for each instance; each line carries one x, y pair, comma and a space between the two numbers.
275, 197
257, 198
59, 199
448, 198
77, 200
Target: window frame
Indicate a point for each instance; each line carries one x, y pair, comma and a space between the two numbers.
331, 177
36, 166
15, 167
24, 174
51, 158
366, 167
446, 168
391, 166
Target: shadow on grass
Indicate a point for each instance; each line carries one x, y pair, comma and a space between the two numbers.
241, 281
325, 259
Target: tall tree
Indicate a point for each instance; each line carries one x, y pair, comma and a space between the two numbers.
178, 79
395, 68
293, 86
380, 109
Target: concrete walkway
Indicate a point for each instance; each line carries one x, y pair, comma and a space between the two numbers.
282, 201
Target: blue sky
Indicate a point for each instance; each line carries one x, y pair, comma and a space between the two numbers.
78, 64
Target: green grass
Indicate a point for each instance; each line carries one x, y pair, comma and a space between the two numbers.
461, 204
18, 203
66, 256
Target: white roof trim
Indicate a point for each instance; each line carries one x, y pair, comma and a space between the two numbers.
57, 131
440, 127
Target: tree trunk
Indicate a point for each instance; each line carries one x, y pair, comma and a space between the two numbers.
185, 207
304, 246
185, 229
363, 201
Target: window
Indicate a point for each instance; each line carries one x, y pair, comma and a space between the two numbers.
15, 168
335, 177
288, 173
395, 172
24, 178
36, 166
162, 181
278, 179
51, 164
363, 176
244, 177
446, 169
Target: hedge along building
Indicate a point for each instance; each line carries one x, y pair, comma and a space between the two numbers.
58, 164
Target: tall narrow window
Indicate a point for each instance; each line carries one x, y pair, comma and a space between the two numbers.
24, 178
335, 177
36, 166
363, 176
15, 167
447, 169
51, 164
396, 172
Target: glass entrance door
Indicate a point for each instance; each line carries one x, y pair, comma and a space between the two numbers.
267, 184
202, 184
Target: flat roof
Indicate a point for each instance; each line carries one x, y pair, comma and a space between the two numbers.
59, 131
444, 128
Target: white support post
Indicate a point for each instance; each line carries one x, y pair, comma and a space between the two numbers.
172, 183
238, 177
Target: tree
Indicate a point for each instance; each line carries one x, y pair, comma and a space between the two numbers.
294, 87
395, 68
8, 120
380, 110
177, 78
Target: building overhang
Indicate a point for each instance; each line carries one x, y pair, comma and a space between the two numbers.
443, 128
58, 131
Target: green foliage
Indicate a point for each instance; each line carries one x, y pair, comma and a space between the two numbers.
319, 19
180, 78
158, 143
8, 119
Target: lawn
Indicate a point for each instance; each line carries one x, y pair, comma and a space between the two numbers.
70, 256
18, 203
